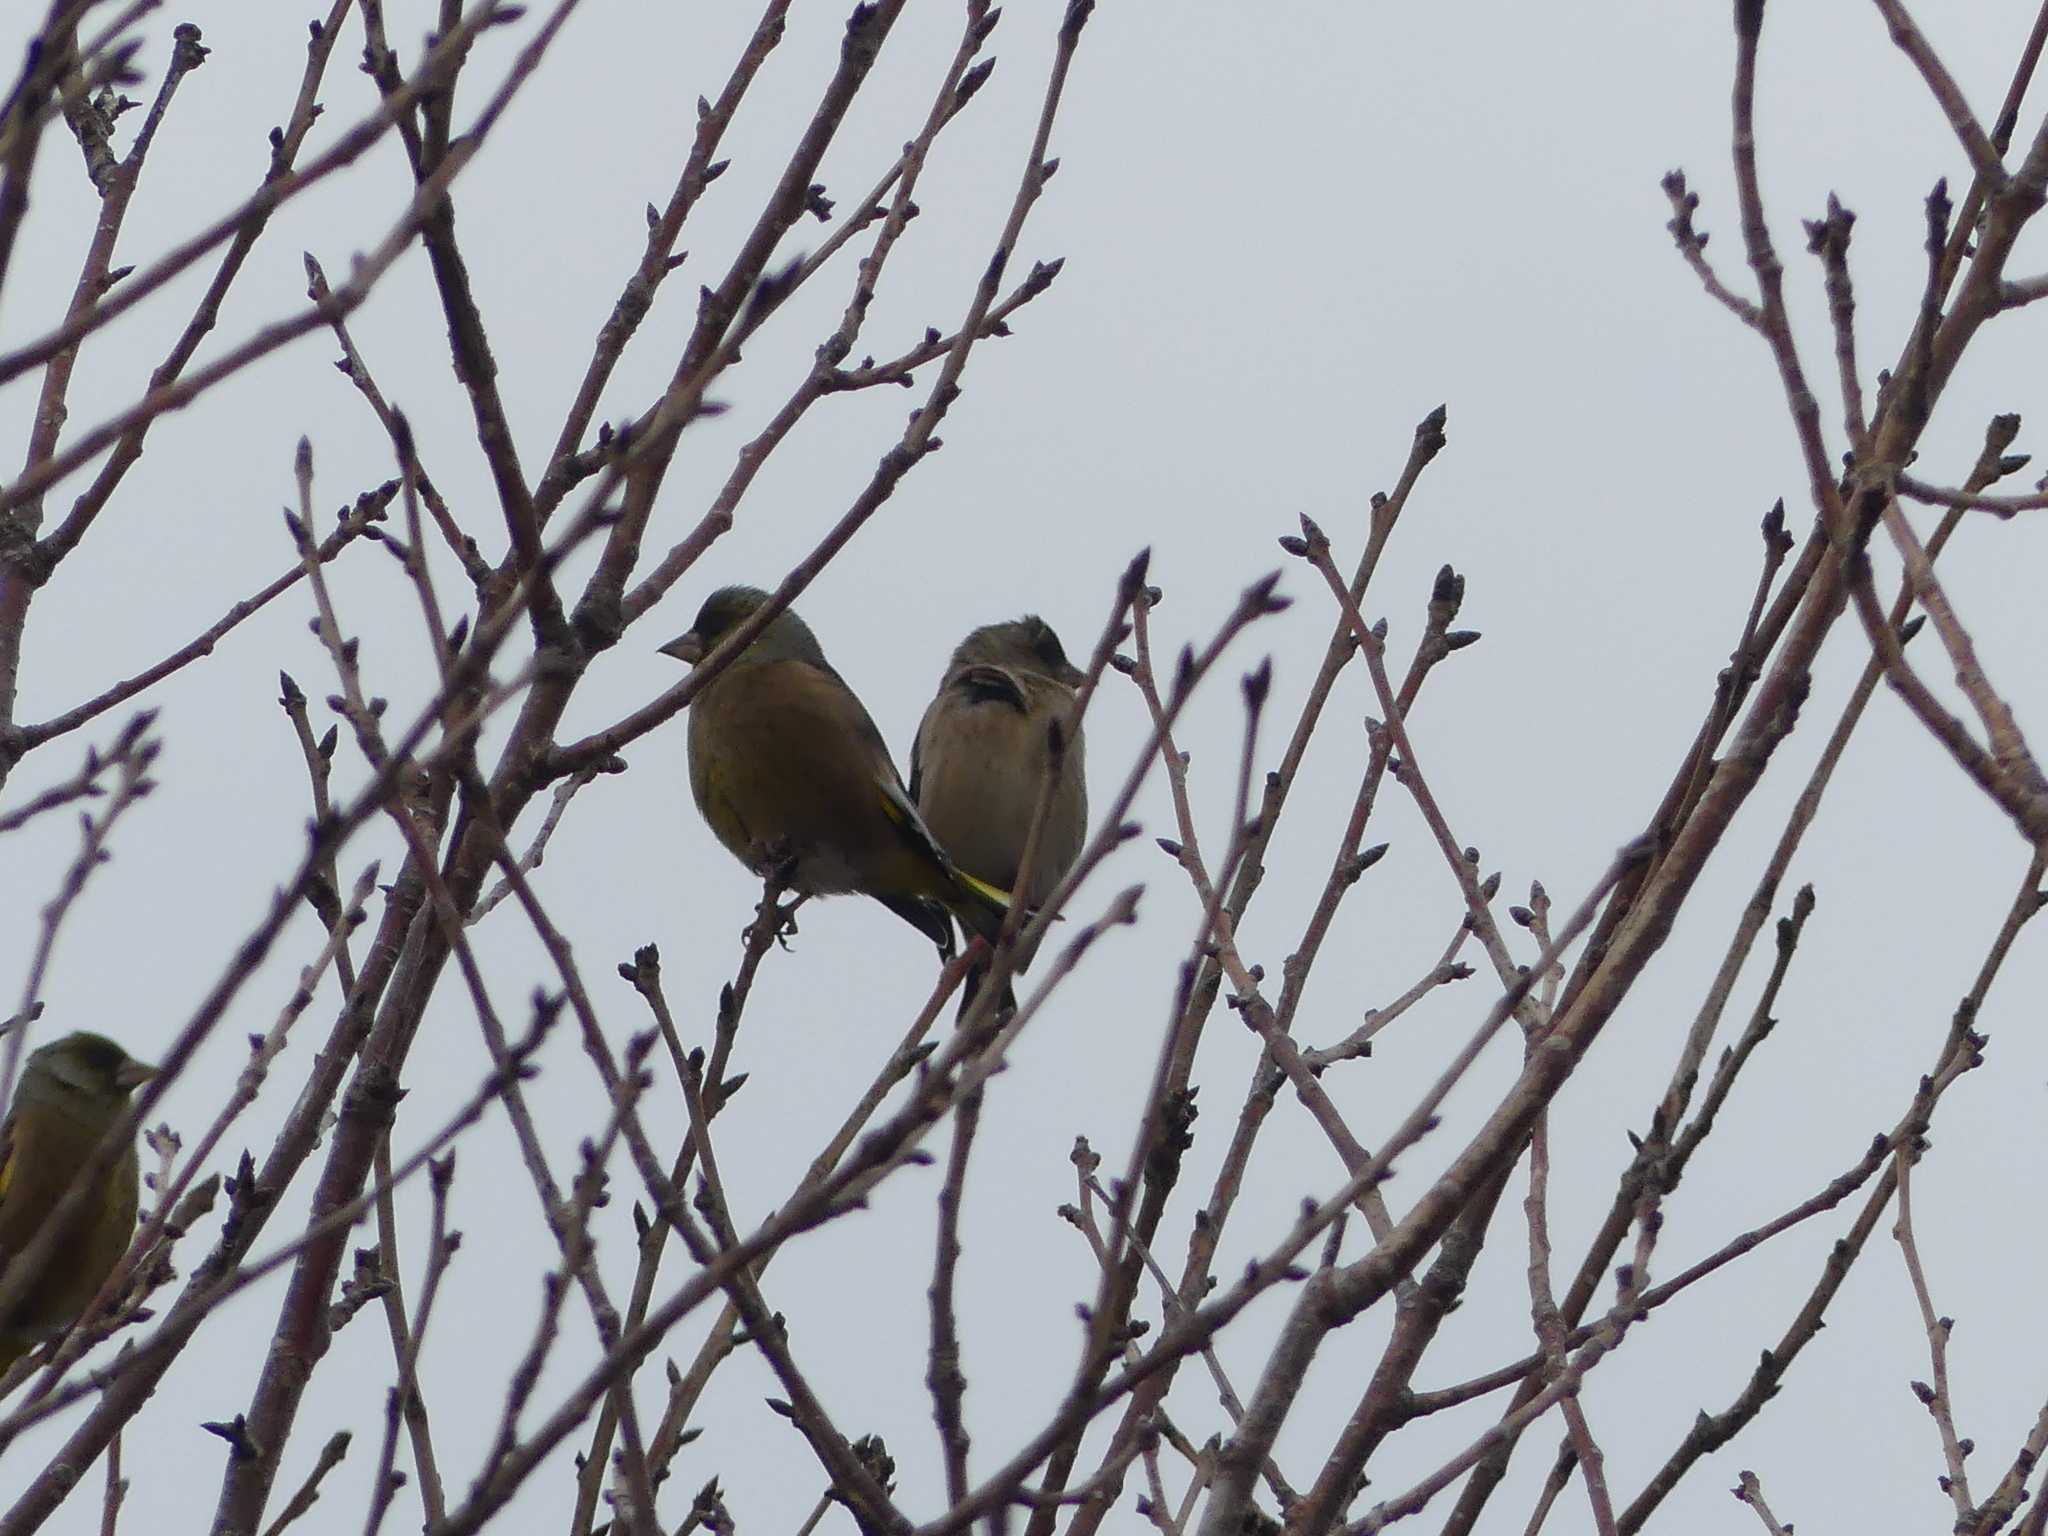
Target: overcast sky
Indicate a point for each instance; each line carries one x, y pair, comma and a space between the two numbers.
1290, 230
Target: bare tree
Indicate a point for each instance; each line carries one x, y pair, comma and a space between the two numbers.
464, 790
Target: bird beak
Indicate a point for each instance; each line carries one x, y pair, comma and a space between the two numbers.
1074, 677
685, 647
133, 1074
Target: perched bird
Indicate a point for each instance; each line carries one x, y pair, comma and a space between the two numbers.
983, 751
787, 766
71, 1093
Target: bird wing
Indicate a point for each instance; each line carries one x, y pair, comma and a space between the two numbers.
6, 1170
903, 814
843, 708
837, 709
993, 901
24, 1201
899, 804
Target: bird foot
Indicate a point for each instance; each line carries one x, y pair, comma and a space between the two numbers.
773, 917
785, 920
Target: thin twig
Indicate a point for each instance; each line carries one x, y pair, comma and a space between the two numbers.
1935, 1397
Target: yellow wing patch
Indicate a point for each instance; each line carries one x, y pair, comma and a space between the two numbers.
896, 808
989, 893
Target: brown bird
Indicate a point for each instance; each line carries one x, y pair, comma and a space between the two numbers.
786, 765
983, 751
72, 1091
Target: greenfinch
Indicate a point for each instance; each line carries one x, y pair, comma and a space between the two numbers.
71, 1093
790, 772
983, 751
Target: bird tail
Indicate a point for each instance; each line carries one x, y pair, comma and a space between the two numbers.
970, 990
927, 917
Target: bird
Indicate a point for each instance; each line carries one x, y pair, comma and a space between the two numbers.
71, 1093
791, 774
982, 753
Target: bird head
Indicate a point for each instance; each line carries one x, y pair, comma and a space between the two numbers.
1026, 645
785, 635
85, 1066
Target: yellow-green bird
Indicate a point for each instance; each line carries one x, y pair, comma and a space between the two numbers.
71, 1093
984, 748
785, 764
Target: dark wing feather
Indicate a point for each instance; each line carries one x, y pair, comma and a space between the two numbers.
927, 917
841, 705
984, 684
